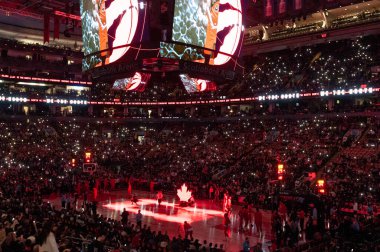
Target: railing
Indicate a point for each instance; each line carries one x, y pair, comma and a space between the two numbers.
335, 24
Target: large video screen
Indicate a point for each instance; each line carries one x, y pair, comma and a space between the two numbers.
209, 24
108, 24
137, 83
195, 85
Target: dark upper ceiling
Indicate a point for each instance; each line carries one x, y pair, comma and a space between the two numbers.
254, 8
29, 13
23, 20
36, 8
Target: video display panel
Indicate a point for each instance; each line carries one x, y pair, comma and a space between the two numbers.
194, 85
209, 24
108, 24
137, 83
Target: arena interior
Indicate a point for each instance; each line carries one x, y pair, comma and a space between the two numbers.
189, 125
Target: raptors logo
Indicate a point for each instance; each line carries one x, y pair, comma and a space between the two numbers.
229, 29
137, 83
193, 85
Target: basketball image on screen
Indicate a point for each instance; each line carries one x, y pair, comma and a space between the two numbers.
92, 26
122, 21
190, 21
107, 25
211, 24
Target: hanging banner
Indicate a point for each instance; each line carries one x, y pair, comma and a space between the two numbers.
298, 5
268, 8
57, 21
282, 7
46, 28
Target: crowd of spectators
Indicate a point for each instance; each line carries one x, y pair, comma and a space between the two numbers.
36, 47
353, 174
38, 226
170, 152
238, 157
341, 64
53, 69
37, 60
43, 156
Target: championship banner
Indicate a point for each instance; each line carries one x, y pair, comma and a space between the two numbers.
298, 5
269, 8
46, 28
282, 7
57, 21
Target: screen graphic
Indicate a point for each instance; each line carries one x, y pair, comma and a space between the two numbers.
194, 85
137, 83
107, 24
209, 24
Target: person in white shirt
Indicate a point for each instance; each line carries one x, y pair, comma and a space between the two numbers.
46, 239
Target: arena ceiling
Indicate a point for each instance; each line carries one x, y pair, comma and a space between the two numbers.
29, 14
36, 8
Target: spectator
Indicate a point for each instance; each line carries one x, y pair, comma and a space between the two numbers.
188, 230
139, 218
259, 222
246, 246
46, 239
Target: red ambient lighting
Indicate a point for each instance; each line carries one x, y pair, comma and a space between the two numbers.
67, 15
149, 207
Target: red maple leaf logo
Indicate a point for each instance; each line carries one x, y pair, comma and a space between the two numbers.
183, 193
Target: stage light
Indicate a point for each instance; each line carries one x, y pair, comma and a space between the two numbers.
320, 183
87, 157
321, 186
280, 168
280, 171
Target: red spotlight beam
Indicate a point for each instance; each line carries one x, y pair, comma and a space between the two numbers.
67, 15
189, 214
11, 11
